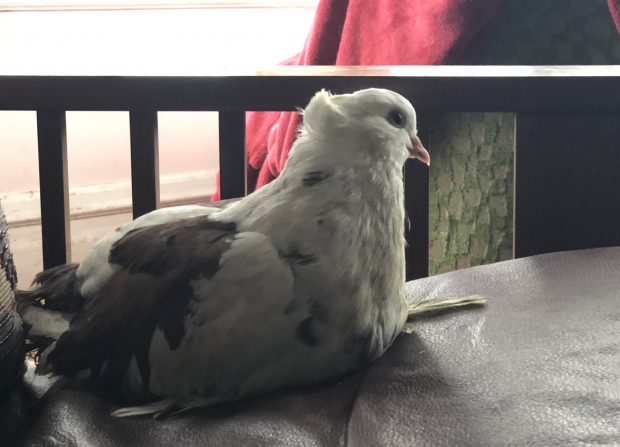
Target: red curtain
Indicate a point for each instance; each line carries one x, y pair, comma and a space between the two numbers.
614, 8
377, 32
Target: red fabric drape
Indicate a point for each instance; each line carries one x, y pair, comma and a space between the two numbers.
377, 32
614, 8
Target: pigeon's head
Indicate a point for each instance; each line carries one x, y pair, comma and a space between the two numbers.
382, 117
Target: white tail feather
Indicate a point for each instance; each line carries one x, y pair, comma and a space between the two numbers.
46, 323
154, 408
167, 407
418, 308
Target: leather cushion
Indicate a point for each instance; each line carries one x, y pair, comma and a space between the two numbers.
539, 365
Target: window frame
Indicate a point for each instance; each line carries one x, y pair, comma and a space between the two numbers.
103, 5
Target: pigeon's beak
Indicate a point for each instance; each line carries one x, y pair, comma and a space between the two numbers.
417, 150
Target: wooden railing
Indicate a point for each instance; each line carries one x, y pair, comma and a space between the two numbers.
567, 150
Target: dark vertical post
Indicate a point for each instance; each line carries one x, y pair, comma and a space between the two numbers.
566, 182
232, 154
417, 208
144, 161
54, 186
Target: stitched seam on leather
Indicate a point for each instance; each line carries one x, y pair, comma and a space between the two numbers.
353, 401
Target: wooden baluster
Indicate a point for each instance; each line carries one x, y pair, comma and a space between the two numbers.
232, 154
54, 186
417, 208
144, 161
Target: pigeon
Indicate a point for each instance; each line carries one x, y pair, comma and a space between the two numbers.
300, 282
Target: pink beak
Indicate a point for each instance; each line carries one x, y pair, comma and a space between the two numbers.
418, 151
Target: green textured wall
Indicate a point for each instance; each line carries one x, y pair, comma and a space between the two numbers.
471, 175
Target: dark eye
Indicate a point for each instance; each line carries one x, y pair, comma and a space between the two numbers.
397, 118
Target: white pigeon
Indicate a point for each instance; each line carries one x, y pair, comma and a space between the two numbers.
299, 282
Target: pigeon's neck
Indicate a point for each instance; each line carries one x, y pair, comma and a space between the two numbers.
348, 204
340, 223
370, 252
349, 220
364, 205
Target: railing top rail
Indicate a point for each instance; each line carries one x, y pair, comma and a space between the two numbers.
543, 89
447, 71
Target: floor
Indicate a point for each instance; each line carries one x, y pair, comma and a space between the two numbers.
26, 242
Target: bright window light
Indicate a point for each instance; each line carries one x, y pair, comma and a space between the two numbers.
152, 40
68, 5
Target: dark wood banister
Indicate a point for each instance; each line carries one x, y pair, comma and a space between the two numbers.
456, 88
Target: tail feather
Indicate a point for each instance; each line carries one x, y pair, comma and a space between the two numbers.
48, 307
56, 288
43, 327
43, 367
418, 308
168, 407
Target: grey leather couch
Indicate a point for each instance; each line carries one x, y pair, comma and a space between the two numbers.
538, 366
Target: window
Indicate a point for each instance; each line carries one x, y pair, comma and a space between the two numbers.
67, 5
135, 37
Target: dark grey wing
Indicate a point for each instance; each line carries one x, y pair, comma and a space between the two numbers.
151, 288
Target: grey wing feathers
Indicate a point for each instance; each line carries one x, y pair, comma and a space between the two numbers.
56, 288
150, 289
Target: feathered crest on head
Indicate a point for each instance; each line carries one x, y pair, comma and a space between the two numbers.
322, 115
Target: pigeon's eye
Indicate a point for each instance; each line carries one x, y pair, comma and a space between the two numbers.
397, 118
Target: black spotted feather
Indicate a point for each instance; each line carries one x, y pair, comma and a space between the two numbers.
151, 288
